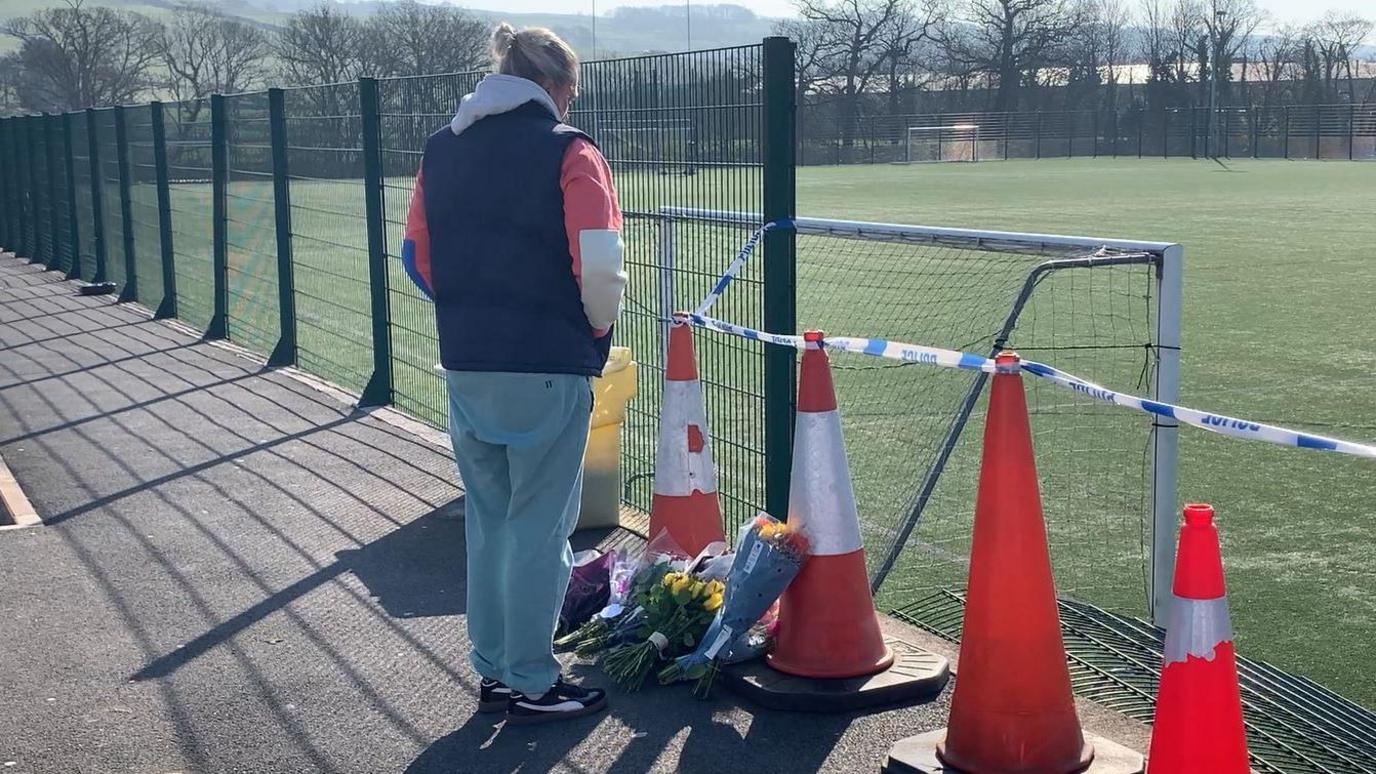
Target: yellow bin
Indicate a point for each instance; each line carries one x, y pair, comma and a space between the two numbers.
602, 463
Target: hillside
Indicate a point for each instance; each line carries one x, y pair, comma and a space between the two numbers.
622, 31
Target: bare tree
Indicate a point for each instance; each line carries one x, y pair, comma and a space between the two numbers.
813, 53
1113, 19
1278, 55
413, 39
206, 52
1153, 40
1186, 26
900, 43
1013, 42
1336, 38
320, 45
852, 36
1230, 25
74, 57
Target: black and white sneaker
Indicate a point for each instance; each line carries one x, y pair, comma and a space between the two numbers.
493, 696
561, 702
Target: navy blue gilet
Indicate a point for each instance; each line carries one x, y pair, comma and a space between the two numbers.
505, 295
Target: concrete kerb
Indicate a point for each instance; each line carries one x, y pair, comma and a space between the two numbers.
16, 512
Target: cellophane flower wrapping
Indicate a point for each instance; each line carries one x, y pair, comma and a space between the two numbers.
589, 590
768, 558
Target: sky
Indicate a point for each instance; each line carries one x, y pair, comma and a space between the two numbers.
1281, 10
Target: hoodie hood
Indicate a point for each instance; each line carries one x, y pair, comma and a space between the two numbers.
499, 94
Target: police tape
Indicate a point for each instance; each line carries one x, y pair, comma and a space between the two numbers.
949, 358
732, 270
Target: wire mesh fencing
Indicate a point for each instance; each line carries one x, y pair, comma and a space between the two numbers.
329, 232
145, 218
189, 165
116, 248
59, 207
251, 230
1333, 132
78, 144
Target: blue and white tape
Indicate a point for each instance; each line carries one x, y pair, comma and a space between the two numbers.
949, 358
1216, 423
742, 256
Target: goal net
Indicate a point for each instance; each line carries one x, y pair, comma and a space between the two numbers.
956, 142
913, 432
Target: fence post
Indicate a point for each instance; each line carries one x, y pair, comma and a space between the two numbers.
1256, 131
168, 307
285, 352
378, 392
6, 183
1351, 123
780, 270
1141, 119
73, 220
130, 291
97, 197
1318, 124
1039, 134
1227, 133
50, 161
1165, 431
219, 194
35, 215
1287, 131
1194, 132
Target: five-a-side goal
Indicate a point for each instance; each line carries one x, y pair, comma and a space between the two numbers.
946, 142
1105, 309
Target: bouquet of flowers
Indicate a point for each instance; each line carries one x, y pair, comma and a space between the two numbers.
629, 575
769, 557
618, 621
677, 611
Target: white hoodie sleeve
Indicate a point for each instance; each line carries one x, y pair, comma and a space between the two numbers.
592, 218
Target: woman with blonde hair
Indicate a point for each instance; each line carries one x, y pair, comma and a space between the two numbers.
514, 232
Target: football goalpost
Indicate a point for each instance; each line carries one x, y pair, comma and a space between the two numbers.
954, 142
1106, 310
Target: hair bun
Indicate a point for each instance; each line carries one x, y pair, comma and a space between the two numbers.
503, 38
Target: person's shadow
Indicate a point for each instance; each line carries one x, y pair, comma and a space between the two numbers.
416, 571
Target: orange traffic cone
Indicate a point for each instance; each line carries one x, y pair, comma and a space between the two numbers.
1198, 726
1012, 710
827, 624
685, 499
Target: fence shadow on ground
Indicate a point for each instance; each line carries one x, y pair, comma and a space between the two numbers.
204, 414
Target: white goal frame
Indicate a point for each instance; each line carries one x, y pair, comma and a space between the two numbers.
1168, 259
960, 136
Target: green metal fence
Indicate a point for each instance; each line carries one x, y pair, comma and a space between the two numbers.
275, 219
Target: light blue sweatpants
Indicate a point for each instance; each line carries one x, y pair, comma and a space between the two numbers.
519, 440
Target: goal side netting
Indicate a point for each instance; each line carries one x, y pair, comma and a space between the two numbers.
929, 144
913, 432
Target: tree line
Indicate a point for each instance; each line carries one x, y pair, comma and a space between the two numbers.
79, 55
861, 57
919, 56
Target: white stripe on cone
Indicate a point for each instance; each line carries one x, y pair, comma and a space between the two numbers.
820, 498
1195, 627
680, 472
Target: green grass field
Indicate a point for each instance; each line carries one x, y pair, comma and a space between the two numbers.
1278, 286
